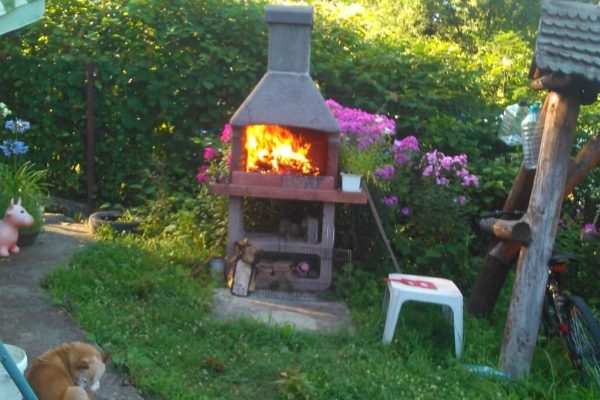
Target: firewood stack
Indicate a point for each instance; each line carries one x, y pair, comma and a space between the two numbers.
242, 269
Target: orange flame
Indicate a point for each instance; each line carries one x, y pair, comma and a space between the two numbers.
274, 149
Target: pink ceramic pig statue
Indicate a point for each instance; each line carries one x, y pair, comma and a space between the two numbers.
15, 217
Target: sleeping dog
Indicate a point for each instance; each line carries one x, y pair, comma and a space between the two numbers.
71, 371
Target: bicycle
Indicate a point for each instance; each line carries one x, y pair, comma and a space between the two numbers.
565, 316
570, 318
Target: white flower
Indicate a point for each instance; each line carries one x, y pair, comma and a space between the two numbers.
4, 111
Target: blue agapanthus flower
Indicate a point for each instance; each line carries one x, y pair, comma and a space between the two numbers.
17, 125
13, 147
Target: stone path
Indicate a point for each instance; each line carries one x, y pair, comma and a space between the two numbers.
27, 317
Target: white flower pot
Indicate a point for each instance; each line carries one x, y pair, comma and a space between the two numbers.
8, 389
350, 182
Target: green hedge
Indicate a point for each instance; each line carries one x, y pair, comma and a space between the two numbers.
166, 70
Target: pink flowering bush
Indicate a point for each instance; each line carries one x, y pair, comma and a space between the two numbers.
422, 196
589, 228
363, 138
360, 127
216, 152
424, 201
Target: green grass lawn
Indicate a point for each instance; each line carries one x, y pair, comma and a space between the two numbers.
144, 307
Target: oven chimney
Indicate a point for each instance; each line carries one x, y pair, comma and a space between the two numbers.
287, 95
290, 28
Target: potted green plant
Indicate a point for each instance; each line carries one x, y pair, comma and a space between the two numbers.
356, 163
21, 180
364, 138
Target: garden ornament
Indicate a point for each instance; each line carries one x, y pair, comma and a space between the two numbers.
15, 217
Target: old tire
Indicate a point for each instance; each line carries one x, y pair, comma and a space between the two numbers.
110, 218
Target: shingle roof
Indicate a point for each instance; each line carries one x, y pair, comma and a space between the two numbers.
569, 39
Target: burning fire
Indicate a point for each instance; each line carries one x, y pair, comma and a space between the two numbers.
274, 149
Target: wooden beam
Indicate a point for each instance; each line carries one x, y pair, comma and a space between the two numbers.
585, 161
505, 251
553, 81
522, 324
507, 230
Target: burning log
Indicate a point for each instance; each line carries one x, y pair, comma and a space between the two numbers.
275, 149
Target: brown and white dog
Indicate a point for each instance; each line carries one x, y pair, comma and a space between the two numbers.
71, 371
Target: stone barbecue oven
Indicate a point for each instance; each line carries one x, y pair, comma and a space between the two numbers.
285, 145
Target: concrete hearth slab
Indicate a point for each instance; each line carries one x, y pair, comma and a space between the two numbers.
304, 311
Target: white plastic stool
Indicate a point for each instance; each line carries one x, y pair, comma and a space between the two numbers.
425, 289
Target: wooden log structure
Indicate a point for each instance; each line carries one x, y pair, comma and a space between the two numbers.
499, 260
519, 230
522, 324
560, 65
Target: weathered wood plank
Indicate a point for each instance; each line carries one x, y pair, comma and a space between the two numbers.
522, 324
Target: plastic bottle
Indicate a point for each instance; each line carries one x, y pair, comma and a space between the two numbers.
510, 128
487, 371
531, 133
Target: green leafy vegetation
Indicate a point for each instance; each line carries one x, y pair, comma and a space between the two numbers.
20, 180
141, 304
157, 87
167, 75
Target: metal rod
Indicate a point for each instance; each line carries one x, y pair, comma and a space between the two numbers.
15, 374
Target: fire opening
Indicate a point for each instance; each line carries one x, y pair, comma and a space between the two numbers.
275, 149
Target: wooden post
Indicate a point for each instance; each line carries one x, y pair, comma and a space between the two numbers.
543, 213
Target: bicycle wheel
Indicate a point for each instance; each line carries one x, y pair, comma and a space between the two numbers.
583, 338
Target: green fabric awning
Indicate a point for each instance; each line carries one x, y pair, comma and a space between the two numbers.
15, 14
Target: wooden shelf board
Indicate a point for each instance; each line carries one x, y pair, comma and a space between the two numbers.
269, 192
